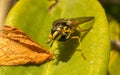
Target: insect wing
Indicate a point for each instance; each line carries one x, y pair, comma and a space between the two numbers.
80, 20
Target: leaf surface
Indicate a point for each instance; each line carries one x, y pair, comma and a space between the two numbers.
33, 18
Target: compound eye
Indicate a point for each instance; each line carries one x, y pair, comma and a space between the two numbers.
56, 28
53, 30
63, 23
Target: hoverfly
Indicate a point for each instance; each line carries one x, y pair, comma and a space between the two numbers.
63, 28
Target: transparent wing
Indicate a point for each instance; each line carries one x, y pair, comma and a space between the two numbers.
80, 20
75, 21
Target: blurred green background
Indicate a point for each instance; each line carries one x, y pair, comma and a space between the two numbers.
112, 8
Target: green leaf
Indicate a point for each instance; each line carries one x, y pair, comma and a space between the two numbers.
33, 18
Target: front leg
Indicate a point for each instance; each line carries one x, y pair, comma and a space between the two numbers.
67, 33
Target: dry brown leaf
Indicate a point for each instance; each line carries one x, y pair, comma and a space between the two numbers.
16, 48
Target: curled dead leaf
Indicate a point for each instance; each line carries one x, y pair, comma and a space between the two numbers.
16, 48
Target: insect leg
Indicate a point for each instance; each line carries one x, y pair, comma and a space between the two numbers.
69, 33
77, 37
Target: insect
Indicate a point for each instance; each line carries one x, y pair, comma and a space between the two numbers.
63, 28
